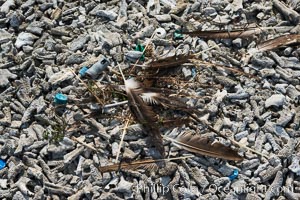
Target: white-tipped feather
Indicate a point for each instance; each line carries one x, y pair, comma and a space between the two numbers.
144, 113
131, 84
149, 97
202, 145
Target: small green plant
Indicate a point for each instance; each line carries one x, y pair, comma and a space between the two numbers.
57, 130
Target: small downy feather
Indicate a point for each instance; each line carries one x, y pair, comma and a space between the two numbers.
169, 102
143, 113
159, 98
203, 146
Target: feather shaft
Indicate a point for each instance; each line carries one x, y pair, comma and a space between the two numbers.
216, 34
140, 164
169, 62
278, 42
201, 145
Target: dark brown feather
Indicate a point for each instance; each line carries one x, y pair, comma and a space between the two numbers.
171, 102
160, 90
144, 113
215, 34
149, 164
279, 42
203, 146
169, 62
198, 62
175, 122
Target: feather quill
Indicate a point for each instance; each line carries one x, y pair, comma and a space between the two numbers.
148, 164
175, 122
143, 113
278, 42
203, 146
216, 34
169, 62
167, 102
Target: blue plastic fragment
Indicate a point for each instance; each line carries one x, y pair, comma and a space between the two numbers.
2, 164
60, 98
234, 174
83, 70
98, 67
194, 72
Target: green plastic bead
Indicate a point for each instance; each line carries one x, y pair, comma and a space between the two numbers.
140, 48
177, 35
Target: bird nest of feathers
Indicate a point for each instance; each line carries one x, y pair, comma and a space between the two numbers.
158, 95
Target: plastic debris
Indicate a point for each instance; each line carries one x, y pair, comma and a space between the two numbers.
83, 70
161, 33
194, 72
133, 56
60, 98
97, 68
2, 164
177, 35
234, 174
140, 48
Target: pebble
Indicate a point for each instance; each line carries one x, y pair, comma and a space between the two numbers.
60, 76
281, 88
114, 148
35, 28
163, 18
78, 43
260, 15
15, 20
285, 117
133, 56
237, 42
76, 58
186, 72
288, 51
226, 81
209, 11
274, 189
290, 62
5, 75
293, 93
60, 31
44, 55
241, 135
25, 39
4, 36
109, 14
295, 166
222, 19
267, 72
276, 100
7, 5
262, 61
